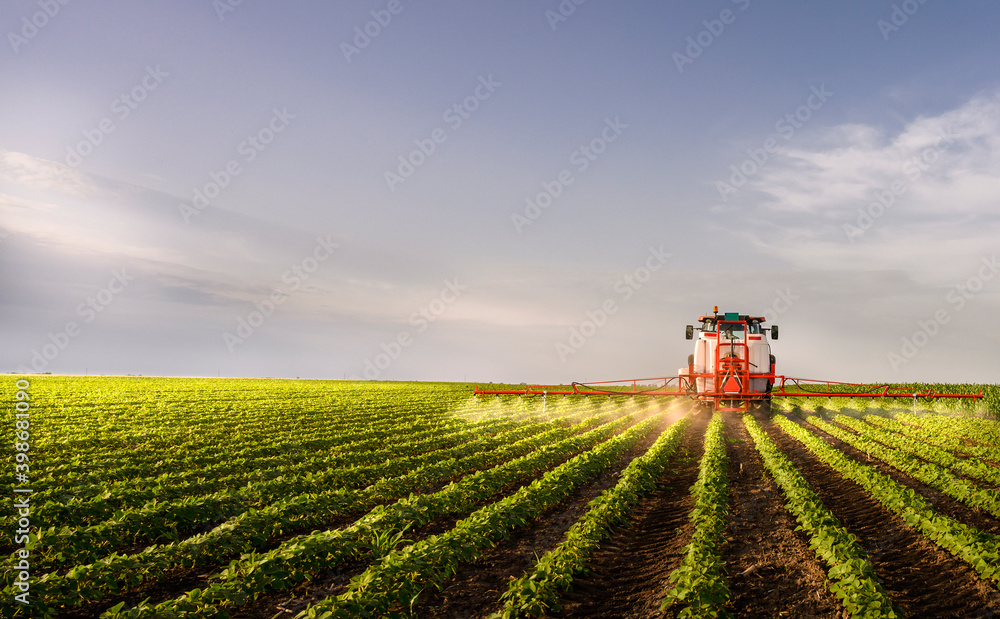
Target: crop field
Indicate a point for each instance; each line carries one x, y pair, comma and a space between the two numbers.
170, 497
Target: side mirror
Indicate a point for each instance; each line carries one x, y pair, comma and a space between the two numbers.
689, 332
774, 332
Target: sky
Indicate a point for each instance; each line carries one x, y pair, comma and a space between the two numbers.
510, 191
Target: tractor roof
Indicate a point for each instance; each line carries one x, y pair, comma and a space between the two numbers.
730, 316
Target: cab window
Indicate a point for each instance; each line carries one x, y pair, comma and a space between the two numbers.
732, 330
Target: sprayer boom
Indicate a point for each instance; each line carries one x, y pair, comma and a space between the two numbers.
731, 368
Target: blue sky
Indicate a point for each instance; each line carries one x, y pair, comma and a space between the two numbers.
452, 194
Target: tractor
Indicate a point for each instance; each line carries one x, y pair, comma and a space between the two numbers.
731, 367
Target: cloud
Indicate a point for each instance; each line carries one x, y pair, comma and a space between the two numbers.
856, 197
39, 174
850, 163
66, 233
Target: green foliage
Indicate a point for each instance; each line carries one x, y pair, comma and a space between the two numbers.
877, 428
152, 464
385, 541
988, 406
700, 588
302, 556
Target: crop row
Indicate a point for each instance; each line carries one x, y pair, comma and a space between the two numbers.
69, 495
927, 473
204, 436
979, 549
537, 592
969, 467
147, 457
849, 568
296, 559
983, 432
937, 437
990, 401
105, 414
699, 586
399, 578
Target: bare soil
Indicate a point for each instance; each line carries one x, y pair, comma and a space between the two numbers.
772, 571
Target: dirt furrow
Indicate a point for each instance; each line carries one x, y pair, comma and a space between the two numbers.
629, 573
924, 579
772, 571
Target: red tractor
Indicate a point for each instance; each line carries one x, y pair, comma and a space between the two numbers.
732, 366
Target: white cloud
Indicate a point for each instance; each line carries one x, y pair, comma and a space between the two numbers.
819, 203
39, 174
